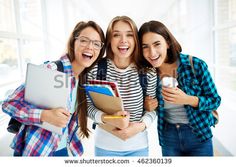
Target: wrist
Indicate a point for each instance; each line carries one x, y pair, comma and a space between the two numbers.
43, 116
142, 126
193, 101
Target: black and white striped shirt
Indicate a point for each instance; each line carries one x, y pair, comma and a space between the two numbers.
130, 89
132, 97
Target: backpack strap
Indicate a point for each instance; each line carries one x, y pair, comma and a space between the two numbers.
191, 63
102, 69
143, 83
101, 75
60, 66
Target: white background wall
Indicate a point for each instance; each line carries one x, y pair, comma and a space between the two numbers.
191, 21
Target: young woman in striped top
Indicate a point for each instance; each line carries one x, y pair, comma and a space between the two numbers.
122, 50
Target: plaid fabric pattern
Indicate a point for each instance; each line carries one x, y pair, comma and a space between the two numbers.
200, 85
32, 140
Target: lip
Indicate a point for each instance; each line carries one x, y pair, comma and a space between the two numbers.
87, 55
155, 58
123, 49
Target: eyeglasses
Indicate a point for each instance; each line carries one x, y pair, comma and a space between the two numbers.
85, 41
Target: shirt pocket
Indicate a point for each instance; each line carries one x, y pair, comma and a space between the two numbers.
192, 86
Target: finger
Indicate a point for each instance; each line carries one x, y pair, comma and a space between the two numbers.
169, 90
123, 113
148, 98
169, 99
167, 94
154, 101
66, 112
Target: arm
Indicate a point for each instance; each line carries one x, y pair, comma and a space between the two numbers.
150, 115
27, 113
206, 99
18, 108
209, 98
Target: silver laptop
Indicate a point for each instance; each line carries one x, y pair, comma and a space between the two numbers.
48, 89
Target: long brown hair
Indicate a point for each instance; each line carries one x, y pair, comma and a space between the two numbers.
81, 102
157, 27
134, 28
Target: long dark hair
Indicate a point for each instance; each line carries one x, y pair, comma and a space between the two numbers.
159, 28
81, 102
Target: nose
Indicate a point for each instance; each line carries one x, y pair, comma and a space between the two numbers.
90, 45
152, 51
123, 39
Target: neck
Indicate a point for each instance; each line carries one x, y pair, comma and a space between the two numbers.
168, 69
77, 69
122, 63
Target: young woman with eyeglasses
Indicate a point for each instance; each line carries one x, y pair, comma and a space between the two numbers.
84, 49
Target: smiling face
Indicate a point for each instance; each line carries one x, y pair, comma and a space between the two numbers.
85, 55
154, 48
122, 41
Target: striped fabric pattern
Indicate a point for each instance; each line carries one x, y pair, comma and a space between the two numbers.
130, 89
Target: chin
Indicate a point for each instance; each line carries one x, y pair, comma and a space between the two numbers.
156, 65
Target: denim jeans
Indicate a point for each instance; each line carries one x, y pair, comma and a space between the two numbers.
133, 153
179, 140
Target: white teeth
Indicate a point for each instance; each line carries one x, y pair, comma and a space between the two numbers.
123, 47
88, 54
154, 58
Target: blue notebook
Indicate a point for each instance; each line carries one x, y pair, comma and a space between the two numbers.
102, 89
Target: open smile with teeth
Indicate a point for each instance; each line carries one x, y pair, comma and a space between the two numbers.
123, 49
87, 55
155, 58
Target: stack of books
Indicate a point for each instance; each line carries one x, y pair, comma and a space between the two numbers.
105, 96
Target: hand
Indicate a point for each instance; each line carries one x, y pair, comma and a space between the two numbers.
174, 95
58, 117
133, 129
150, 104
119, 123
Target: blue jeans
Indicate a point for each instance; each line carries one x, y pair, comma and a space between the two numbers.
179, 140
133, 153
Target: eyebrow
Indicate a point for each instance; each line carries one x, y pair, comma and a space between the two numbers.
155, 42
122, 31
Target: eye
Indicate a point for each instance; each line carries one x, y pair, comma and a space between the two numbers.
130, 35
84, 40
97, 44
156, 44
116, 35
144, 46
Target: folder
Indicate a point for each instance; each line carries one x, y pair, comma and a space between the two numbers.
107, 104
111, 84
